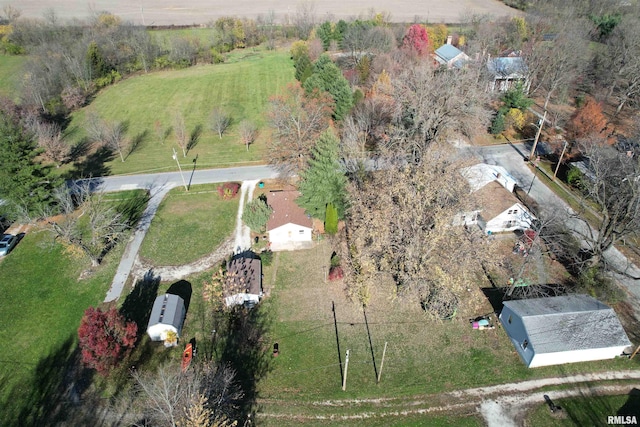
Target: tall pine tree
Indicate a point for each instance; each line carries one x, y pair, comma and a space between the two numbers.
24, 183
327, 77
323, 182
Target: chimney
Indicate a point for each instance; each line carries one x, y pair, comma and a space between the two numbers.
449, 39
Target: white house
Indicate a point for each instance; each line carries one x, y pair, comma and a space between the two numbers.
244, 284
497, 208
168, 314
289, 227
505, 72
564, 329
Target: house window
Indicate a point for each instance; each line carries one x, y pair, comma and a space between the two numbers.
301, 232
509, 320
525, 344
510, 212
509, 224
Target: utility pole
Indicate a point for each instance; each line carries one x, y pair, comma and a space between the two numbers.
560, 161
346, 366
382, 362
535, 141
175, 157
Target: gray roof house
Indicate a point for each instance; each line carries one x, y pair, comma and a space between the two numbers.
506, 71
564, 329
450, 56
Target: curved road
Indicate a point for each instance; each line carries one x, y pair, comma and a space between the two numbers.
159, 185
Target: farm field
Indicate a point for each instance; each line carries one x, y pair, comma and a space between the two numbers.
240, 87
188, 12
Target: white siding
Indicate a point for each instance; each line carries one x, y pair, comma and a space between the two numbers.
239, 299
512, 324
290, 233
158, 332
575, 356
514, 218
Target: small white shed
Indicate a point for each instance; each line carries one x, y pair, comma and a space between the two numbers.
168, 314
564, 329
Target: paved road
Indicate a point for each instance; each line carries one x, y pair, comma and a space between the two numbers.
159, 185
511, 157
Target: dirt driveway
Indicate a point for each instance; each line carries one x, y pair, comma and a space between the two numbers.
186, 12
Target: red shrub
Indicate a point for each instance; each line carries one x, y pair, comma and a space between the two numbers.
228, 190
336, 273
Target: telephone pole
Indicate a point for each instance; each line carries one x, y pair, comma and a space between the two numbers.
382, 362
346, 366
175, 157
535, 141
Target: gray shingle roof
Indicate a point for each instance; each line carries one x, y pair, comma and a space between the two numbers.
507, 67
571, 322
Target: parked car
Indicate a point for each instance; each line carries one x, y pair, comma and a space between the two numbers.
7, 243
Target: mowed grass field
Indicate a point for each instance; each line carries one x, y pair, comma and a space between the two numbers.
241, 87
43, 301
189, 225
423, 356
11, 72
586, 410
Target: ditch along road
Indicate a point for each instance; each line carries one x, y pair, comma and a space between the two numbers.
159, 185
503, 405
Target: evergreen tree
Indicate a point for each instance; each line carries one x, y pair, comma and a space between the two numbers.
331, 219
256, 214
96, 61
24, 183
303, 68
325, 34
323, 182
327, 77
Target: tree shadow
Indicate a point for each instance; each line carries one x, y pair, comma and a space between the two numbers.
194, 137
80, 149
138, 304
94, 164
632, 405
137, 142
54, 392
183, 289
244, 347
132, 208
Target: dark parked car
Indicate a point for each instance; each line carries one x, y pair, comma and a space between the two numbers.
7, 243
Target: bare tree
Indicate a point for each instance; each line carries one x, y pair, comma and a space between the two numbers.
181, 133
614, 185
305, 18
169, 397
297, 120
110, 134
248, 132
162, 132
405, 232
10, 13
50, 139
219, 121
432, 105
87, 221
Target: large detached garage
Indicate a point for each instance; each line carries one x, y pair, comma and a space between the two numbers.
564, 329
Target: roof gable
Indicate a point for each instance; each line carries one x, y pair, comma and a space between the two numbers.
567, 323
244, 275
447, 52
285, 210
482, 174
167, 309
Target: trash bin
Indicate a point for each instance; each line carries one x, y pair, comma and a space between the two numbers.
261, 184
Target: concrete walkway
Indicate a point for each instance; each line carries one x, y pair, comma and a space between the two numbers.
131, 251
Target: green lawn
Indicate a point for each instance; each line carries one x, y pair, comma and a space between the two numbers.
423, 356
43, 302
241, 88
189, 225
11, 67
585, 411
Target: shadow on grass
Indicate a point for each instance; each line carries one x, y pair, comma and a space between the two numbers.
53, 393
194, 137
244, 347
183, 289
137, 142
94, 164
138, 304
632, 405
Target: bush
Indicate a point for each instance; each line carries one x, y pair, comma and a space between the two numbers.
336, 273
497, 124
335, 260
216, 57
266, 257
574, 177
256, 215
228, 190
